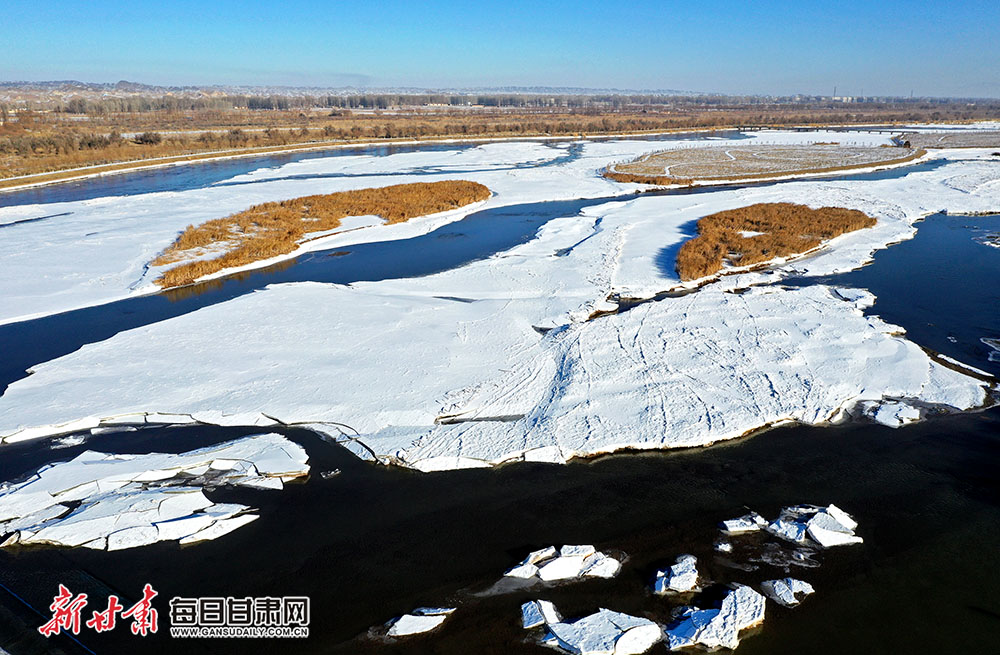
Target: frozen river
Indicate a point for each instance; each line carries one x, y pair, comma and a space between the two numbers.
491, 337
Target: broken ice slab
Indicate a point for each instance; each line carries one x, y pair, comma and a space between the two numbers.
538, 612
562, 568
751, 522
826, 526
567, 563
742, 608
792, 531
604, 633
892, 413
788, 592
681, 577
420, 620
577, 551
525, 571
599, 565
101, 500
536, 556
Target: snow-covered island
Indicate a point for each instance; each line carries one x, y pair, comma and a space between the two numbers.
563, 346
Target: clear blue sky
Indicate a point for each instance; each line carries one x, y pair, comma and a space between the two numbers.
877, 47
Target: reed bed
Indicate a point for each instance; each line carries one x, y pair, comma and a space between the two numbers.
762, 232
277, 228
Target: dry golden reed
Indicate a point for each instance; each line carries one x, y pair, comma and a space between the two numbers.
277, 228
785, 229
633, 178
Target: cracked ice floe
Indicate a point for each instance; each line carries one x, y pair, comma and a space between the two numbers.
109, 501
422, 619
742, 608
890, 412
808, 524
788, 592
569, 562
681, 577
538, 612
751, 522
603, 633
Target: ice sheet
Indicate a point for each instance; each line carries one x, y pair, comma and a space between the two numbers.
124, 501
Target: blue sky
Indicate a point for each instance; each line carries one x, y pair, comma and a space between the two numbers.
892, 47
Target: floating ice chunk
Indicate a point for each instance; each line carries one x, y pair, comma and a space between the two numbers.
788, 592
422, 619
72, 440
792, 531
751, 522
842, 517
573, 551
110, 512
827, 526
536, 556
539, 612
182, 527
832, 526
600, 565
433, 611
562, 568
723, 547
607, 633
522, 571
890, 412
123, 501
261, 482
566, 563
681, 577
719, 628
829, 538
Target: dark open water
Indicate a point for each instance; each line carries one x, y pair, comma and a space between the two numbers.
373, 543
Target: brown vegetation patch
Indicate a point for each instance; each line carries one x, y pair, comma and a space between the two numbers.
277, 228
784, 229
633, 178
